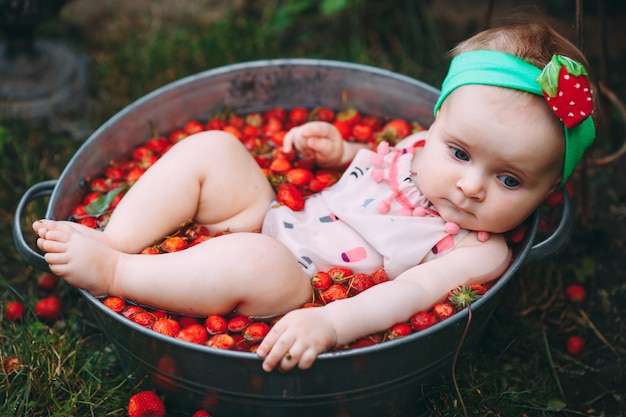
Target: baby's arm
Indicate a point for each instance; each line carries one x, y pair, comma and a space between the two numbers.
321, 142
305, 333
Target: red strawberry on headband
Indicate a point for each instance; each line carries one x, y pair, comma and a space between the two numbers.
566, 87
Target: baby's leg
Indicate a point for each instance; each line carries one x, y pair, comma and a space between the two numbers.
249, 272
208, 177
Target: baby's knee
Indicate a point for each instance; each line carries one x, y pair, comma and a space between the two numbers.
212, 138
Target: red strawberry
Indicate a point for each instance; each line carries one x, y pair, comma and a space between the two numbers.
255, 332
280, 165
48, 308
575, 345
116, 304
144, 318
221, 341
567, 90
193, 126
11, 364
187, 321
339, 273
215, 123
362, 342
201, 413
215, 324
360, 282
177, 135
142, 153
298, 115
321, 280
380, 275
443, 310
14, 311
277, 113
575, 293
131, 310
195, 333
323, 114
241, 344
158, 144
47, 281
349, 115
159, 314
235, 121
236, 132
463, 295
362, 132
321, 180
399, 330
115, 173
238, 323
146, 404
100, 185
397, 128
333, 293
278, 137
174, 244
271, 126
344, 128
134, 174
290, 196
166, 326
150, 251
299, 177
422, 320
372, 121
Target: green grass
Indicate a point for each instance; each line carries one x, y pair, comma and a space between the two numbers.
519, 368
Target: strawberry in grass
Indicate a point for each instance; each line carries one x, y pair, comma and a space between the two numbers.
14, 311
567, 90
49, 308
146, 404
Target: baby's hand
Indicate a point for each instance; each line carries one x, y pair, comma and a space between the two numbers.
319, 141
297, 339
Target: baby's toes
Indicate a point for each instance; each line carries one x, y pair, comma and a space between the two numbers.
58, 235
51, 246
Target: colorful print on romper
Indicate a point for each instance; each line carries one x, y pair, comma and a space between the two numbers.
447, 242
328, 219
354, 255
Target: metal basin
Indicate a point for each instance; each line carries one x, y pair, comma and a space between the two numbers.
383, 379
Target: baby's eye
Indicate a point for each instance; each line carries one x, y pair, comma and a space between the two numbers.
459, 154
509, 181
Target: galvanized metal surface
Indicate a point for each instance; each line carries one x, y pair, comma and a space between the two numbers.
383, 379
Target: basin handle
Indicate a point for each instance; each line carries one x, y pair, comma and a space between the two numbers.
559, 236
33, 258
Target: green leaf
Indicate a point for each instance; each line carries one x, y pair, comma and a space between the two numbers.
102, 203
556, 404
330, 7
549, 77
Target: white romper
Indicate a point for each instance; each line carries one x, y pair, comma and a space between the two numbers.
373, 217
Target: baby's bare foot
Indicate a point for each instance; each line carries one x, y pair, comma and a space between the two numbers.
77, 257
41, 227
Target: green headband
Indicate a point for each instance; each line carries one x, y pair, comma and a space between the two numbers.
505, 70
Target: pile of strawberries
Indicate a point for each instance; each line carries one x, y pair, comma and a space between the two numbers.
262, 134
242, 333
293, 178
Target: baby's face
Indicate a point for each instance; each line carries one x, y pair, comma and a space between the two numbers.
491, 157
